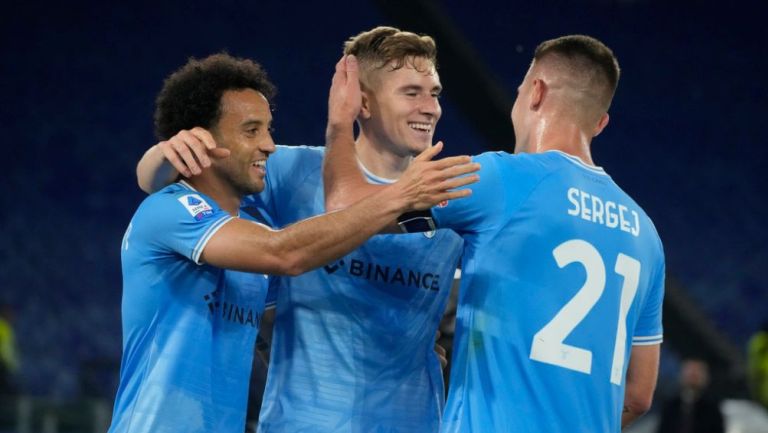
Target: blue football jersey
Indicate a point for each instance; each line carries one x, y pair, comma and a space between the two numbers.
188, 328
353, 342
562, 273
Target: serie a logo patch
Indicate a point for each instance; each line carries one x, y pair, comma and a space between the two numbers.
196, 206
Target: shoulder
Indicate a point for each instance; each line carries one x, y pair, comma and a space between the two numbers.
508, 162
290, 161
285, 153
175, 202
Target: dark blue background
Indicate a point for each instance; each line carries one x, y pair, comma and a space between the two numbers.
78, 80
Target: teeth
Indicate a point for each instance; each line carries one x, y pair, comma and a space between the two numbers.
261, 164
420, 126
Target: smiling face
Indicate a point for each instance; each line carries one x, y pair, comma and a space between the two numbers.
401, 107
244, 129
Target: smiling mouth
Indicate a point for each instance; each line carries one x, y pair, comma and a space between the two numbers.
262, 165
420, 127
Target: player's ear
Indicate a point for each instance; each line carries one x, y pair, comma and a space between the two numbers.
365, 108
601, 124
538, 92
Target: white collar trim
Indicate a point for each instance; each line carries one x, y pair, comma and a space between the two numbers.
187, 185
576, 160
372, 178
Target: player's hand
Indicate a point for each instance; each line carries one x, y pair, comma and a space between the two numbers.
426, 182
345, 97
190, 151
442, 354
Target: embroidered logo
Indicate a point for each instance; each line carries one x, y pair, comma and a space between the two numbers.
196, 206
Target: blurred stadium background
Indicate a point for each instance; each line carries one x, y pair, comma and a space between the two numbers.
686, 139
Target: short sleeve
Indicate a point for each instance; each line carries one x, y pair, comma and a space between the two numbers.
471, 213
181, 222
649, 330
506, 181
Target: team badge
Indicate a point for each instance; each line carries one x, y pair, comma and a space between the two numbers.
196, 206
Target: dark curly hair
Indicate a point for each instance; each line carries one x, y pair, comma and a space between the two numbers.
191, 96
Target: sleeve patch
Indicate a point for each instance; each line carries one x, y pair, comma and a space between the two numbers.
196, 206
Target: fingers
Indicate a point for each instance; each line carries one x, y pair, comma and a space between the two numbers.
440, 350
449, 161
430, 152
174, 159
188, 150
442, 355
204, 136
457, 182
187, 146
218, 153
339, 76
352, 72
448, 196
459, 170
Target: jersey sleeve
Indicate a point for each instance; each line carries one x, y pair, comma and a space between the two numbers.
471, 213
649, 330
180, 223
284, 167
505, 182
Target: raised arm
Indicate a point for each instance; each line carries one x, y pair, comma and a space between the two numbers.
343, 181
186, 154
642, 373
313, 242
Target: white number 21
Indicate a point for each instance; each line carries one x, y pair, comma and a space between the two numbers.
548, 346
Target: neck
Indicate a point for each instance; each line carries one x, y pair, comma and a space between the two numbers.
378, 159
553, 134
219, 190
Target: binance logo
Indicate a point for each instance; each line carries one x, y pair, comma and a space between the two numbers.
387, 274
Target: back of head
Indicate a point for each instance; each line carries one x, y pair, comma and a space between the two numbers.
389, 47
191, 96
587, 70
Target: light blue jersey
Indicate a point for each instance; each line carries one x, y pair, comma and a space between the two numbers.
188, 329
562, 273
353, 343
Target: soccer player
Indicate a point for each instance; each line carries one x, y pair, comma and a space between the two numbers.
559, 320
352, 343
189, 317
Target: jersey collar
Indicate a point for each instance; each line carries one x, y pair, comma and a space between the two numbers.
577, 161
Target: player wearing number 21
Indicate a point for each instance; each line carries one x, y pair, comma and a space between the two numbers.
559, 320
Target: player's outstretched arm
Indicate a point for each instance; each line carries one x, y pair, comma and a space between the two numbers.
247, 246
187, 153
642, 373
344, 183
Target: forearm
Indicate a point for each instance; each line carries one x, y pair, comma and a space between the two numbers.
316, 241
343, 181
251, 247
642, 374
154, 171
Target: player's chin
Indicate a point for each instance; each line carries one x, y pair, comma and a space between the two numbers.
420, 145
255, 186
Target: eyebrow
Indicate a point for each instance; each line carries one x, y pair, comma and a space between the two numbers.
255, 122
418, 88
